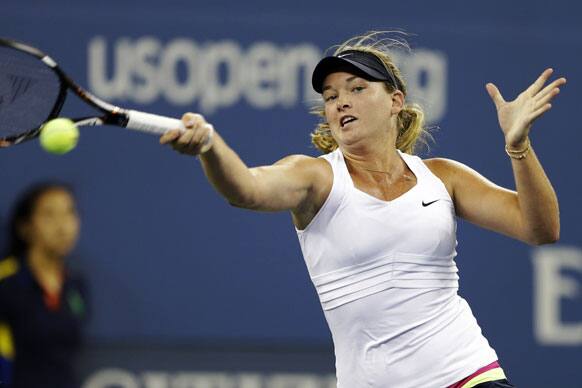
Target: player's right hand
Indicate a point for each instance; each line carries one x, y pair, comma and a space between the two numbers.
195, 140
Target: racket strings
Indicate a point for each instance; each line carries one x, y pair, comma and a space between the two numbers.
28, 92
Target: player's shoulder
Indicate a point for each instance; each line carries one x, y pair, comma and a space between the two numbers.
449, 171
440, 162
298, 159
9, 266
305, 162
453, 173
444, 167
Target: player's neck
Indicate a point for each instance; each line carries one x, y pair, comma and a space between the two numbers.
375, 153
380, 160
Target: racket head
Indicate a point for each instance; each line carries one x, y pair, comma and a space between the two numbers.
32, 91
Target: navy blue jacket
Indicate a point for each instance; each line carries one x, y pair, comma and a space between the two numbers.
45, 340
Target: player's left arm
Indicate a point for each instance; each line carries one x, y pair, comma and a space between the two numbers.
530, 213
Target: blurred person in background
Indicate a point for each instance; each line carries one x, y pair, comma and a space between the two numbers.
43, 305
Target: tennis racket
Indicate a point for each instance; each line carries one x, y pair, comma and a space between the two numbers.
33, 89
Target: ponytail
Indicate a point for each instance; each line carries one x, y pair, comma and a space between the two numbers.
410, 128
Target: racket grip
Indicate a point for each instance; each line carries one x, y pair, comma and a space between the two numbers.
158, 125
151, 123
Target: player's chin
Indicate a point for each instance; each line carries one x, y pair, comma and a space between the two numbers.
347, 131
349, 137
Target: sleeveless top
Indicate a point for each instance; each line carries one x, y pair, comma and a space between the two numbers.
387, 282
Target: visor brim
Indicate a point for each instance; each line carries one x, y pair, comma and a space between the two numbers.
330, 65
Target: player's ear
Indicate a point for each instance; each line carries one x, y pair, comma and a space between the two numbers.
397, 101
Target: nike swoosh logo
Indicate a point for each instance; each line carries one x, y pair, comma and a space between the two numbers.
425, 204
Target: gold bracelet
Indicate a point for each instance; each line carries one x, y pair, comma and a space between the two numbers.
518, 154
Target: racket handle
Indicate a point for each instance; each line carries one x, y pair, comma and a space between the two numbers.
158, 125
151, 123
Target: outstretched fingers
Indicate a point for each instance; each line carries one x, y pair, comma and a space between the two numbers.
540, 111
545, 96
551, 89
540, 82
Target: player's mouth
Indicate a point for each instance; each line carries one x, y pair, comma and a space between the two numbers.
345, 120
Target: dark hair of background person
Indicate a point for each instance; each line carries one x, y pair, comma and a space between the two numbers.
22, 211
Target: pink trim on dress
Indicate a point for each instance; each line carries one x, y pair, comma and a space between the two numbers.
460, 384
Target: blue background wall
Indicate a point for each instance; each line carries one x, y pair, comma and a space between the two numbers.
171, 263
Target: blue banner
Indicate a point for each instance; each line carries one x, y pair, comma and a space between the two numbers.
170, 262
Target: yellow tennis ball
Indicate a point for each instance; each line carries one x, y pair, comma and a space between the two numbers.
59, 136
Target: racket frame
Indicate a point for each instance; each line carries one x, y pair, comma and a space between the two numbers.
112, 115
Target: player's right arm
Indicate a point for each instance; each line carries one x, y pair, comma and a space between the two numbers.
296, 183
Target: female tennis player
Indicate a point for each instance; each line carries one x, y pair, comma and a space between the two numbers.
377, 225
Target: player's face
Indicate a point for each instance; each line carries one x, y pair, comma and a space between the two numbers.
54, 224
357, 109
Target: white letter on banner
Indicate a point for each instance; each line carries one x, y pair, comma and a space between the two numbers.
261, 79
550, 286
186, 52
426, 73
118, 83
203, 380
107, 378
214, 93
330, 382
250, 380
146, 50
296, 67
155, 380
293, 381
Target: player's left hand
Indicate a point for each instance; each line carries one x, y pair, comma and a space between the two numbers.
516, 117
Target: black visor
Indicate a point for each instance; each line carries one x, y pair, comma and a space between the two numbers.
360, 63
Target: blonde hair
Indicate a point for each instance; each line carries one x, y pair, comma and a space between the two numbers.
411, 130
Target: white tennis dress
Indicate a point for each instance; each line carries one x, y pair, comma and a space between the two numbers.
387, 281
